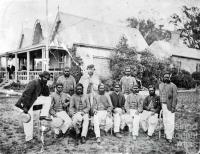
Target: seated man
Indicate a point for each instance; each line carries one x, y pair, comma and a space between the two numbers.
118, 101
35, 93
59, 103
102, 107
134, 108
152, 107
79, 108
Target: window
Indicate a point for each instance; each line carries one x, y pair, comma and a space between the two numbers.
198, 67
178, 65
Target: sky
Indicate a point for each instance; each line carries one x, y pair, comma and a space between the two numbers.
15, 14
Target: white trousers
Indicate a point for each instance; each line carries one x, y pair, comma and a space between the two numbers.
132, 120
67, 122
78, 119
148, 121
168, 121
101, 119
118, 118
28, 127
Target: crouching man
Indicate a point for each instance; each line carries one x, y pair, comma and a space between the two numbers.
59, 105
134, 108
35, 93
152, 107
118, 101
102, 107
79, 108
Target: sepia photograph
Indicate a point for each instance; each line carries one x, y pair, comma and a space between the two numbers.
99, 77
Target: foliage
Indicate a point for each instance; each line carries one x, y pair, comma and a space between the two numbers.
182, 79
148, 30
145, 67
196, 75
188, 25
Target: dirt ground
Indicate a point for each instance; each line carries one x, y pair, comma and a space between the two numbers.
12, 139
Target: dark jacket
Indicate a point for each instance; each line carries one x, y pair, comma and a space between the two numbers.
171, 95
156, 103
32, 91
118, 101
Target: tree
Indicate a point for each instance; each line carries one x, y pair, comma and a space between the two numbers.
148, 30
189, 26
147, 68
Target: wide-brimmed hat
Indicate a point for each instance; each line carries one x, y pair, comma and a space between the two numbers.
25, 117
45, 74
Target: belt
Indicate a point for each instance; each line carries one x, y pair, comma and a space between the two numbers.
164, 102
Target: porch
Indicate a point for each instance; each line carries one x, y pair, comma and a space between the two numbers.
28, 63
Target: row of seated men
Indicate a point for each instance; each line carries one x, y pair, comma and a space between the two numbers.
107, 110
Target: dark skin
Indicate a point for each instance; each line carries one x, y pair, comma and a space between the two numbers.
67, 72
151, 93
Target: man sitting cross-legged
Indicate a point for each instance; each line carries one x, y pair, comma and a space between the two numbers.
134, 108
102, 108
60, 101
79, 108
118, 101
151, 109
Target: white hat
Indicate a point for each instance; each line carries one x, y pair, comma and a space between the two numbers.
25, 118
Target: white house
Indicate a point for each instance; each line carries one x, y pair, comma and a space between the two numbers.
45, 47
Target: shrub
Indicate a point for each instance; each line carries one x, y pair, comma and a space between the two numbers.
196, 75
183, 79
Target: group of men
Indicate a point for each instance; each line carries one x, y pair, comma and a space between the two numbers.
87, 103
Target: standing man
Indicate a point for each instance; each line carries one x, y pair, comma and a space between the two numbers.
59, 105
168, 99
102, 107
35, 93
68, 81
151, 109
79, 109
134, 108
127, 81
118, 101
90, 82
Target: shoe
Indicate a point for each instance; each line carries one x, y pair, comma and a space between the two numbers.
83, 140
45, 118
118, 135
134, 138
98, 140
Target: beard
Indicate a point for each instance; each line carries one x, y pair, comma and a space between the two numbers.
166, 81
101, 92
67, 75
79, 92
44, 82
152, 94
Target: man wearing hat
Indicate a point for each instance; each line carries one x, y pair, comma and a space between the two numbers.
168, 99
90, 81
59, 105
35, 93
79, 110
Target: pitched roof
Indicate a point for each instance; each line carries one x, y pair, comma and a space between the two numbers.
70, 29
163, 49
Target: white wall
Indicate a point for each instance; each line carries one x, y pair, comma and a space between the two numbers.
187, 64
98, 57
